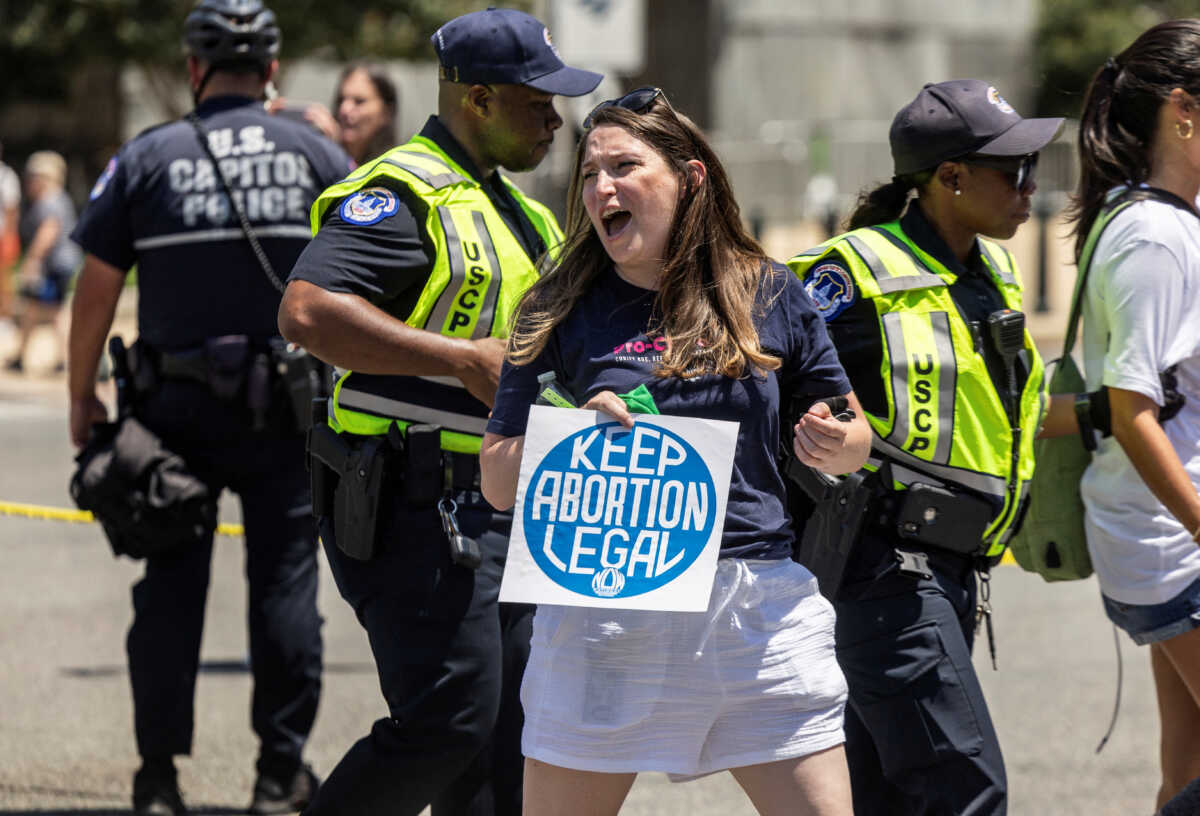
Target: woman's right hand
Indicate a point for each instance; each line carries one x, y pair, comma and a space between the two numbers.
611, 404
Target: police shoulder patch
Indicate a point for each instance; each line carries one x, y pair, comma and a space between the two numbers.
831, 288
369, 206
98, 188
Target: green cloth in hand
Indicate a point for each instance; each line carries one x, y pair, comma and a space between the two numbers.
640, 401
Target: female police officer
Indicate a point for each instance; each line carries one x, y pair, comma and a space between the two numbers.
925, 314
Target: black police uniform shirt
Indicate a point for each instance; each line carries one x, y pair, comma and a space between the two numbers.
388, 263
603, 345
854, 324
160, 205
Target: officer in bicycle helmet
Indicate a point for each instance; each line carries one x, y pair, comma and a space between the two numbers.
213, 211
231, 35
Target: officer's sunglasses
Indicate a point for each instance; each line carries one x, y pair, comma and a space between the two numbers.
1019, 169
638, 100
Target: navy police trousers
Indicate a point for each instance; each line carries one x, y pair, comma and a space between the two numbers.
919, 739
450, 660
266, 470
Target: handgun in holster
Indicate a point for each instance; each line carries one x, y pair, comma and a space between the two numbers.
840, 507
361, 470
302, 376
122, 376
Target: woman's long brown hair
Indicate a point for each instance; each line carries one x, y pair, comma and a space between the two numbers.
710, 281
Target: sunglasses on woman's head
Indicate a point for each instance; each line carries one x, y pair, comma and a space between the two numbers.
638, 100
1019, 169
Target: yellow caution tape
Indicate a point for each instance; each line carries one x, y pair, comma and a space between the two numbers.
38, 511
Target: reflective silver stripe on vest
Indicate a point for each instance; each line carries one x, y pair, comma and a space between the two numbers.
487, 313
981, 482
919, 278
874, 265
234, 234
429, 157
453, 382
902, 397
458, 259
817, 250
897, 352
435, 181
947, 384
441, 308
1001, 271
349, 399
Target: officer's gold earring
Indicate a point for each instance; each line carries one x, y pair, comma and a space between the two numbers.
1185, 129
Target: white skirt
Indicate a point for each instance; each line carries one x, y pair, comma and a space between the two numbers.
753, 679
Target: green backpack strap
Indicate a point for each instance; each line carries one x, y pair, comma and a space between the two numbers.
1052, 541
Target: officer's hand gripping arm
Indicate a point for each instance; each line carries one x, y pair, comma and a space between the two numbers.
348, 331
833, 442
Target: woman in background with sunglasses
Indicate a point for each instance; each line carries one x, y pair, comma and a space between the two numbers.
1139, 156
925, 315
657, 259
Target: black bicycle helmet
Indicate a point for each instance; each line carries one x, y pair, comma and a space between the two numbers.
232, 33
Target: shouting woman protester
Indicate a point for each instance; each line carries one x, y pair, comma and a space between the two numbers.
656, 250
1139, 150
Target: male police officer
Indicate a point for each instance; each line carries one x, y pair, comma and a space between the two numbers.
208, 385
416, 267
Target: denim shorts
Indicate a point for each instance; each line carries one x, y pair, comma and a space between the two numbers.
1157, 622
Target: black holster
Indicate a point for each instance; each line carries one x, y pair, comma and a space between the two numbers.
358, 467
302, 376
840, 509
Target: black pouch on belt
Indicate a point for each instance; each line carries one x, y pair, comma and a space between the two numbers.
228, 360
424, 476
938, 517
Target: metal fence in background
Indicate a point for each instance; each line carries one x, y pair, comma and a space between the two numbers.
801, 170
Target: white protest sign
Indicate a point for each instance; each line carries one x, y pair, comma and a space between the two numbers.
612, 517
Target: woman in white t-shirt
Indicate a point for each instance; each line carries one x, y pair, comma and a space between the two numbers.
1140, 131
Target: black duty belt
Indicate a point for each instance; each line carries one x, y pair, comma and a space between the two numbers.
463, 470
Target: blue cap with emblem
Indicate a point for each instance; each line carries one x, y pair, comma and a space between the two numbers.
509, 47
952, 119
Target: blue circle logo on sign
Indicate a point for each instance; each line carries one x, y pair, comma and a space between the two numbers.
613, 513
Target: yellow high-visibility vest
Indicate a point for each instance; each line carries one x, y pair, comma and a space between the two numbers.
945, 421
479, 275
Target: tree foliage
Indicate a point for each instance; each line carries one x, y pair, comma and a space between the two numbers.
62, 60
1075, 37
42, 42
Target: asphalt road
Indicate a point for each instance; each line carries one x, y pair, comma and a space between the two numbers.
66, 741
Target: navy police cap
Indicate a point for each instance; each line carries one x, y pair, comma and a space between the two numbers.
510, 47
951, 119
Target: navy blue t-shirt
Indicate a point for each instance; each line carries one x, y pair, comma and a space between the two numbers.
603, 345
159, 204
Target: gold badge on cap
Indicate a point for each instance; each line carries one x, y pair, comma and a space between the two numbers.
549, 42
996, 99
